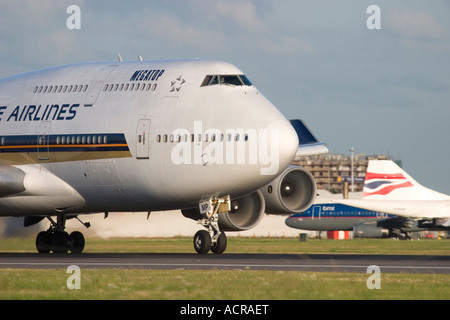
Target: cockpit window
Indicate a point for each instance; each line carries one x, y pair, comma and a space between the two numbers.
245, 80
233, 80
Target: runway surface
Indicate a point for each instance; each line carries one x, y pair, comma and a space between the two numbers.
283, 262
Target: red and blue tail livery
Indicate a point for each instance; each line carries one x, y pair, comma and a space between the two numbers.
383, 184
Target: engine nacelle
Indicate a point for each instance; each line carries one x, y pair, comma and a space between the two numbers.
246, 212
291, 192
369, 231
11, 180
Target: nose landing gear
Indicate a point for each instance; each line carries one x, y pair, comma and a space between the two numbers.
212, 239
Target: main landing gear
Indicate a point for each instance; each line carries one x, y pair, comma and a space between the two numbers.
55, 239
212, 239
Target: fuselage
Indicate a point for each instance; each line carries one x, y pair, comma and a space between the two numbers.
137, 136
333, 216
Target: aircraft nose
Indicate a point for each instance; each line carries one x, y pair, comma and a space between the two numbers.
282, 139
291, 221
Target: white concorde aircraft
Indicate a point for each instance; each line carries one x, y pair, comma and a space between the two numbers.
194, 135
389, 189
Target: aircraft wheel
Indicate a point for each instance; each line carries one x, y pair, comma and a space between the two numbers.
202, 242
77, 242
60, 243
44, 242
221, 244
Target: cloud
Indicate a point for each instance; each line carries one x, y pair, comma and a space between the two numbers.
415, 24
173, 29
240, 13
285, 45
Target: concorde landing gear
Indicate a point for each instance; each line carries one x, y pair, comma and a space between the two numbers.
55, 239
212, 239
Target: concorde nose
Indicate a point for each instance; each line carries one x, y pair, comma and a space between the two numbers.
287, 142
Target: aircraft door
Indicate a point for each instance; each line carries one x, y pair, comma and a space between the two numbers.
142, 139
316, 211
43, 141
96, 86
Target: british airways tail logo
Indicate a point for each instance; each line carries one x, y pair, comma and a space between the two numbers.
383, 184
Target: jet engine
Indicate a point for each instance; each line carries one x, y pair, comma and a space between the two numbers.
11, 180
291, 192
246, 213
365, 230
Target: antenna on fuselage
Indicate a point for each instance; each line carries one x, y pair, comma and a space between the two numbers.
140, 58
119, 56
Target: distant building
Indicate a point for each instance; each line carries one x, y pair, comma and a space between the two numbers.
332, 170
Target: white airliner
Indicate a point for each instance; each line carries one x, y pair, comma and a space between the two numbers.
389, 189
156, 135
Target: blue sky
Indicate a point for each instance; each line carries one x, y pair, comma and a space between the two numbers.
380, 91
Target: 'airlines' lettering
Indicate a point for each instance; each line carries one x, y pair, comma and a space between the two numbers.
37, 113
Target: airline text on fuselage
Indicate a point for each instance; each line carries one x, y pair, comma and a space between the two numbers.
146, 75
39, 112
